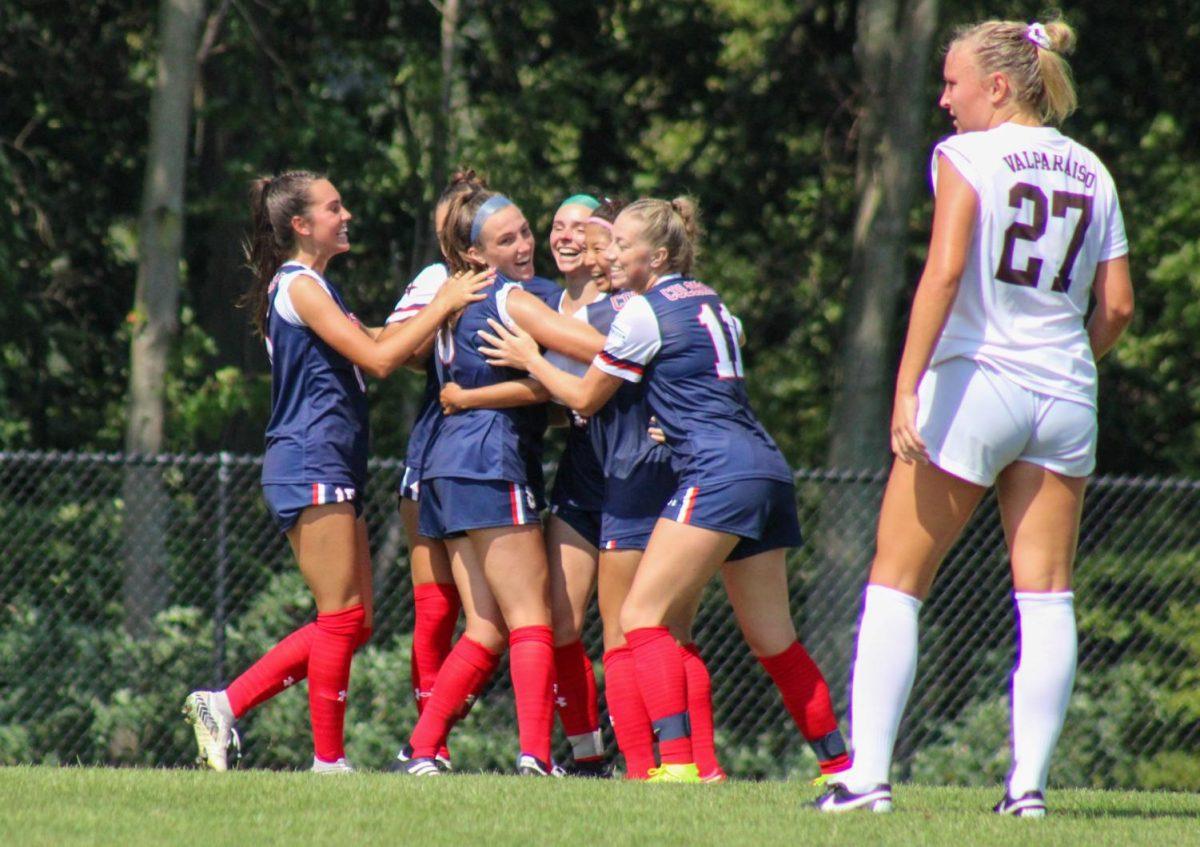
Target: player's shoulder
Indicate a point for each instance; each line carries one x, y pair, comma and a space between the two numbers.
546, 290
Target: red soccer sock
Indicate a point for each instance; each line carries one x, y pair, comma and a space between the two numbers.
630, 722
437, 607
364, 635
806, 696
464, 673
284, 664
329, 678
575, 696
700, 711
531, 663
662, 681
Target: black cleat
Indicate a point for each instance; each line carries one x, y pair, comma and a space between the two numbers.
405, 755
405, 763
1031, 804
593, 769
839, 798
528, 765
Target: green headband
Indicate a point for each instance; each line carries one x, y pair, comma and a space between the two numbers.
581, 200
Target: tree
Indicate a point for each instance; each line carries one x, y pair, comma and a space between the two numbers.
155, 314
894, 38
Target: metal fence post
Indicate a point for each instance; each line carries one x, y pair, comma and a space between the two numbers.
223, 473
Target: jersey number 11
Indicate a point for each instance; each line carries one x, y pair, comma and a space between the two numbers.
728, 367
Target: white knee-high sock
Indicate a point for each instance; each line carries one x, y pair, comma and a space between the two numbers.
884, 667
1041, 684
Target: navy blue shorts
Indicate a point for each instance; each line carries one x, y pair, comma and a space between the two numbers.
762, 512
450, 505
633, 505
586, 523
410, 485
286, 501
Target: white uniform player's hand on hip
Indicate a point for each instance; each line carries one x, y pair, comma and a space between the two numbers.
907, 443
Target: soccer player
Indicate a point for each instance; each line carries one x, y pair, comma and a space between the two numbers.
997, 385
435, 598
480, 476
315, 463
735, 502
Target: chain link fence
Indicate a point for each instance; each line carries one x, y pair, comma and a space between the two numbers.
126, 582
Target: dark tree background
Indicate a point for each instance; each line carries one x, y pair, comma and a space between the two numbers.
759, 109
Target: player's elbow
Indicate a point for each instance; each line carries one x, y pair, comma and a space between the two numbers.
587, 406
380, 367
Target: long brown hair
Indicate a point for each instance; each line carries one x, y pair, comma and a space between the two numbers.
274, 201
455, 237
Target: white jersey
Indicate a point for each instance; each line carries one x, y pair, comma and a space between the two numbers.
420, 292
1048, 214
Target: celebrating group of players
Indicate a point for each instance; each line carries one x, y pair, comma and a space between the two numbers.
667, 476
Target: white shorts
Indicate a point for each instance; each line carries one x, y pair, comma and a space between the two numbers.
976, 422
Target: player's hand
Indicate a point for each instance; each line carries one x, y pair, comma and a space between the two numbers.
655, 431
907, 443
464, 288
513, 348
451, 398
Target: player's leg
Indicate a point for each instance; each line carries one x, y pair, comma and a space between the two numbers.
572, 561
1041, 511
514, 562
630, 721
679, 561
699, 694
435, 600
467, 668
924, 510
758, 591
325, 541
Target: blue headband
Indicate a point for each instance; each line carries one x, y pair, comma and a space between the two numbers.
490, 207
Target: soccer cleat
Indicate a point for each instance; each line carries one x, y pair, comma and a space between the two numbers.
406, 764
714, 776
213, 732
528, 765
443, 763
592, 769
839, 798
338, 766
674, 773
1031, 804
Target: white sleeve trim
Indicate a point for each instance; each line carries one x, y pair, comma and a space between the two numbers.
632, 342
283, 298
502, 303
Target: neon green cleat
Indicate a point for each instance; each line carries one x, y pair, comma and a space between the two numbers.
675, 773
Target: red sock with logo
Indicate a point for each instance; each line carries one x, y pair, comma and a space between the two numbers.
284, 664
437, 606
700, 711
806, 696
630, 722
576, 700
531, 664
464, 673
329, 678
662, 681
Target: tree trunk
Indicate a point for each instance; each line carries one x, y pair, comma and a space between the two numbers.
894, 38
155, 310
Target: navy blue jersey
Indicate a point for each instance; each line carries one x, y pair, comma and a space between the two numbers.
318, 430
618, 431
579, 481
683, 343
548, 291
491, 444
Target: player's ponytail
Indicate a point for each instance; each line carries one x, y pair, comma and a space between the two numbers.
455, 237
608, 209
1033, 59
463, 181
274, 201
672, 225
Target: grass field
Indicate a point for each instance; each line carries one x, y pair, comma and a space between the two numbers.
256, 808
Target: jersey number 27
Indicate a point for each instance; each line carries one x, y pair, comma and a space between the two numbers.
1060, 202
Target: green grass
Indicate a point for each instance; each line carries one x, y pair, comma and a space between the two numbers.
258, 808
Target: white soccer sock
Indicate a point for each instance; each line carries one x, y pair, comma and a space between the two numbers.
884, 667
1041, 684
